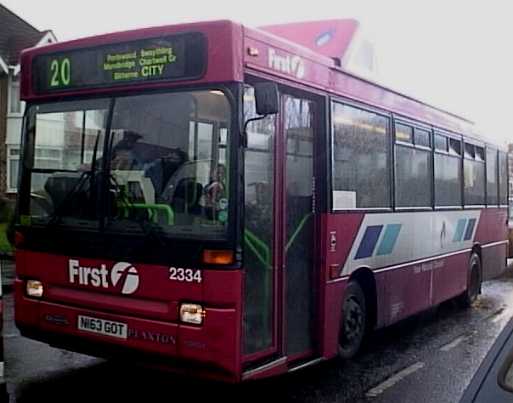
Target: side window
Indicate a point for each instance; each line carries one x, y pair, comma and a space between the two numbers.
441, 143
403, 133
503, 178
492, 186
474, 175
361, 159
447, 171
422, 138
413, 169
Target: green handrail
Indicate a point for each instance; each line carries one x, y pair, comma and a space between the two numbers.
264, 254
254, 243
153, 211
297, 231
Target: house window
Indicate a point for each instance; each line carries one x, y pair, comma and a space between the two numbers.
13, 159
14, 96
45, 157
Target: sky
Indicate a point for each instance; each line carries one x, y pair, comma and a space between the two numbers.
453, 54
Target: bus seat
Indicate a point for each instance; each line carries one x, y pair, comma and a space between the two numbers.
186, 197
59, 185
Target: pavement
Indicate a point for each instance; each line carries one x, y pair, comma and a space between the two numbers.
8, 269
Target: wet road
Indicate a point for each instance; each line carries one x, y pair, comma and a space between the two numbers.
429, 358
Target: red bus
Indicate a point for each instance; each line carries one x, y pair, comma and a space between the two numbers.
218, 201
4, 395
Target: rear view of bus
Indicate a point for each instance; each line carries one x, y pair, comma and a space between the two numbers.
127, 221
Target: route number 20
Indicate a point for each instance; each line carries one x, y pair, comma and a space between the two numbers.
185, 275
60, 72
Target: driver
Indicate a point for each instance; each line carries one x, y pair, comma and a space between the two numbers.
163, 168
123, 155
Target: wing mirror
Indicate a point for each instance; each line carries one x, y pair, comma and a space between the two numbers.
266, 98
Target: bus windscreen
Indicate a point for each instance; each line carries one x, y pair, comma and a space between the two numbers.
167, 58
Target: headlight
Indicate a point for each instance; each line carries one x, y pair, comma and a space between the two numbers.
34, 288
192, 313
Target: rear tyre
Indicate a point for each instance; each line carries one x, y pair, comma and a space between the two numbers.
474, 282
353, 323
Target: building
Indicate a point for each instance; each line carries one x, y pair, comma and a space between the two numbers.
15, 35
510, 165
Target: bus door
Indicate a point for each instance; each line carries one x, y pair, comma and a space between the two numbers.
298, 225
279, 287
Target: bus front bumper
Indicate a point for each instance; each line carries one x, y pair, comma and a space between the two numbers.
210, 350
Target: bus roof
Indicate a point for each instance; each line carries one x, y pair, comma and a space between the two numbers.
234, 50
299, 62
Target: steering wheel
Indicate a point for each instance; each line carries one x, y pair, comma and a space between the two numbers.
41, 205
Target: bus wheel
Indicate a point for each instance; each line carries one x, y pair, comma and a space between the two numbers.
353, 323
474, 285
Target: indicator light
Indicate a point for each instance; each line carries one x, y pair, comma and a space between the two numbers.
212, 256
35, 288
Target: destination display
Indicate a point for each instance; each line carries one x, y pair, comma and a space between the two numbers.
174, 57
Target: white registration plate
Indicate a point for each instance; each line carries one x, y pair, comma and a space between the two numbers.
102, 326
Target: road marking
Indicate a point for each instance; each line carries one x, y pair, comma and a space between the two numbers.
499, 317
452, 344
495, 314
11, 335
378, 390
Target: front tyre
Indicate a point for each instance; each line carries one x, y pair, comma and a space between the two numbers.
473, 283
353, 323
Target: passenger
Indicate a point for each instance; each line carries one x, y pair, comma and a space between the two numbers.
215, 190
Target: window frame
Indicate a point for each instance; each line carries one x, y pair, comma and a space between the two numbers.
454, 136
9, 187
433, 131
11, 83
497, 175
400, 141
415, 126
430, 138
475, 144
508, 193
232, 91
332, 100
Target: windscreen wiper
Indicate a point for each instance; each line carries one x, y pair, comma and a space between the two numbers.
59, 210
57, 214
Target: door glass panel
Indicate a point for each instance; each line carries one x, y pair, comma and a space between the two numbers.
258, 230
299, 223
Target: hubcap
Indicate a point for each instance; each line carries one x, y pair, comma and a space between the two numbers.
353, 322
